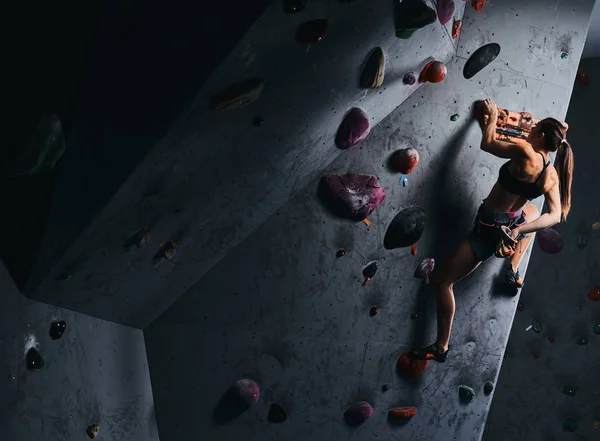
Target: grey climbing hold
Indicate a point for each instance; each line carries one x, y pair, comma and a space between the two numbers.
466, 393
406, 228
93, 430
386, 387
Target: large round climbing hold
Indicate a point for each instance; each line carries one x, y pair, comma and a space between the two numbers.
312, 32
410, 366
433, 72
352, 196
445, 10
354, 128
550, 241
358, 413
480, 59
406, 228
405, 160
373, 72
594, 294
247, 390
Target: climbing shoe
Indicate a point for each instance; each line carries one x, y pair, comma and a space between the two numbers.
513, 278
431, 353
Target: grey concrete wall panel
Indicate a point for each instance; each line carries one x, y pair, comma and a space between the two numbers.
214, 178
96, 373
529, 403
282, 309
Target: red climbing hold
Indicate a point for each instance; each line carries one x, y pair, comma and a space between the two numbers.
551, 339
409, 366
521, 307
312, 32
478, 4
582, 77
413, 249
354, 128
536, 356
456, 27
405, 160
404, 413
433, 72
594, 294
358, 413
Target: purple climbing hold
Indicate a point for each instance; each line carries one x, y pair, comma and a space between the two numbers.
425, 268
409, 79
354, 128
247, 390
445, 10
550, 241
358, 413
352, 195
312, 32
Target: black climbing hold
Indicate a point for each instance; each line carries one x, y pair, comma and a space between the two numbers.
340, 253
370, 270
65, 275
466, 394
405, 229
386, 387
57, 329
411, 15
480, 59
293, 6
488, 387
374, 311
258, 121
276, 413
34, 360
409, 79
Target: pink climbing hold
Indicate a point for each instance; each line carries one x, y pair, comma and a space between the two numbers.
550, 241
445, 10
425, 268
358, 413
352, 195
354, 128
247, 390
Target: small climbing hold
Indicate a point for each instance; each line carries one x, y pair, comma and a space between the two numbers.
65, 275
352, 196
456, 27
411, 15
551, 339
168, 249
478, 4
405, 160
367, 222
537, 326
358, 413
403, 181
410, 366
406, 228
569, 390
521, 307
582, 240
312, 32
596, 226
582, 77
293, 6
466, 394
413, 249
92, 430
433, 72
57, 329
569, 425
582, 341
536, 356
597, 425
414, 315
425, 268
140, 239
581, 307
247, 391
354, 128
374, 311
594, 294
373, 73
455, 117
33, 359
550, 241
340, 253
564, 55
369, 271
445, 10
276, 413
480, 59
258, 121
409, 79
386, 387
596, 329
403, 413
237, 95
488, 387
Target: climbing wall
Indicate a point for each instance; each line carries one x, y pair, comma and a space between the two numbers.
287, 308
62, 372
550, 371
216, 176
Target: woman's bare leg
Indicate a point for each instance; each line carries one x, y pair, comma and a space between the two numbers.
531, 213
461, 263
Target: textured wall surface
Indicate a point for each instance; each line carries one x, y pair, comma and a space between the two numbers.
281, 309
214, 178
556, 286
96, 373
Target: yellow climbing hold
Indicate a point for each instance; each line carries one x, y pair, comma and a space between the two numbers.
596, 226
367, 222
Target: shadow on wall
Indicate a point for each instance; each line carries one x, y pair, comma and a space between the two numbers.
117, 87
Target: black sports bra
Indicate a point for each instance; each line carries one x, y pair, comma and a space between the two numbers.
529, 190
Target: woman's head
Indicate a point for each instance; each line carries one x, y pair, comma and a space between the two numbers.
550, 135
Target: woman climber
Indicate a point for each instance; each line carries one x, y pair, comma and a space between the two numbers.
506, 221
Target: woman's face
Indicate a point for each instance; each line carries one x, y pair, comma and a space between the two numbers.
535, 135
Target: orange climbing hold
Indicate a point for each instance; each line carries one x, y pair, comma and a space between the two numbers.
456, 27
402, 412
410, 366
478, 4
433, 72
413, 249
594, 293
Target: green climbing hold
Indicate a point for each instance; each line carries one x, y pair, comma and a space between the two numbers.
597, 328
569, 425
582, 240
582, 341
564, 55
466, 394
44, 150
569, 390
536, 325
455, 117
